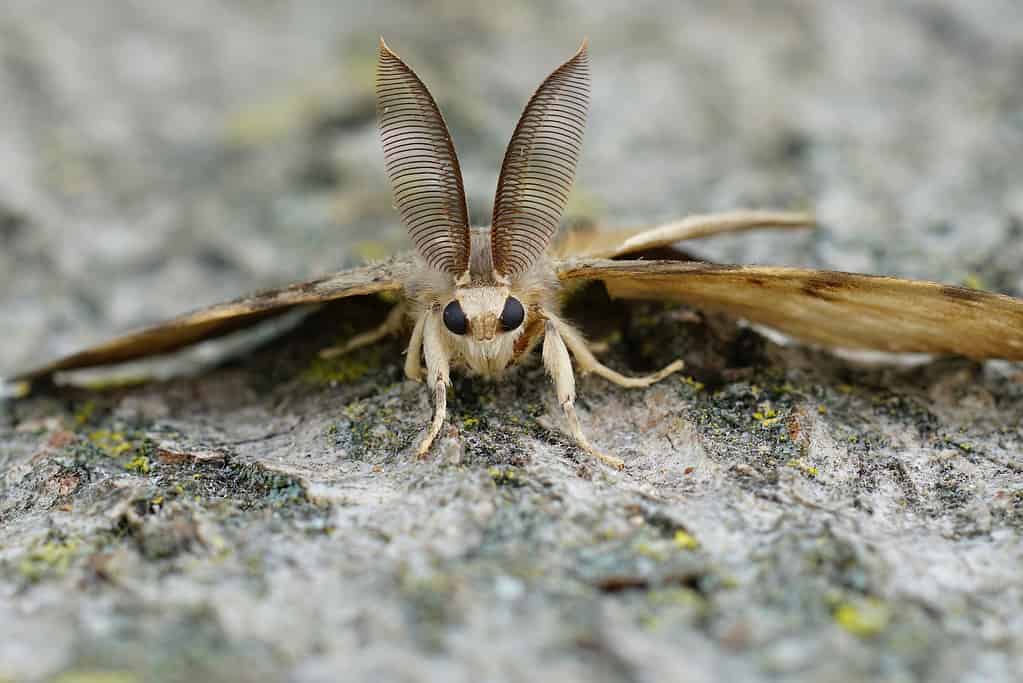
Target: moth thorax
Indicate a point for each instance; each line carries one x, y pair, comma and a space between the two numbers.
481, 257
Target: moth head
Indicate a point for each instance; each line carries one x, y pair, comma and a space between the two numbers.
484, 313
536, 175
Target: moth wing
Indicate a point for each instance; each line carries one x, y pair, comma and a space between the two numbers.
593, 243
842, 310
220, 319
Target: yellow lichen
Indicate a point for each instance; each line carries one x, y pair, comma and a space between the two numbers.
803, 466
973, 281
15, 390
504, 476
685, 541
767, 416
114, 444
654, 552
675, 597
697, 386
138, 464
865, 619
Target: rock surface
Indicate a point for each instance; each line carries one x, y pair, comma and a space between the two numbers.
784, 514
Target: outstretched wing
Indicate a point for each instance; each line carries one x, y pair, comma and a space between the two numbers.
589, 242
221, 319
841, 310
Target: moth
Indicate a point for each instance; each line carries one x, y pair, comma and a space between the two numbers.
481, 298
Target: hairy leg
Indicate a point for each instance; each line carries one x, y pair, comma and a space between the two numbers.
438, 368
587, 362
414, 353
392, 324
559, 367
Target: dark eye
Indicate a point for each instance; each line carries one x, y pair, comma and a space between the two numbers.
512, 315
454, 318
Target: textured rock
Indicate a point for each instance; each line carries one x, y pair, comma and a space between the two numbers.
785, 513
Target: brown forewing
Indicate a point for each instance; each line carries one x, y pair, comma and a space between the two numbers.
840, 310
221, 319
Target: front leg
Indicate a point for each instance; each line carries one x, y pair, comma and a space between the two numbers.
559, 367
438, 367
392, 324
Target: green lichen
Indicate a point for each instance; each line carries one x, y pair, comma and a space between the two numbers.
270, 119
349, 367
119, 382
372, 250
85, 413
47, 559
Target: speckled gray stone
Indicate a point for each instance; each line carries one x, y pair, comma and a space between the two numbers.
785, 514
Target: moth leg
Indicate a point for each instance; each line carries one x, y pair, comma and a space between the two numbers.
392, 324
559, 367
438, 368
414, 353
588, 362
705, 225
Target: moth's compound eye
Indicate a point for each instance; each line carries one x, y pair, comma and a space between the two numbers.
454, 318
512, 315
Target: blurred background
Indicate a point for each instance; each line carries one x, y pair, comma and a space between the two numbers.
156, 157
